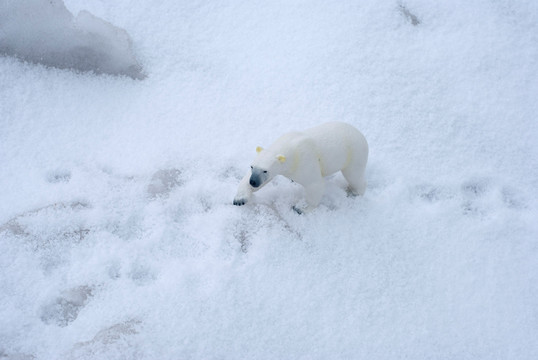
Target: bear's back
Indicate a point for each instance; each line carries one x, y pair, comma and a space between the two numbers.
338, 144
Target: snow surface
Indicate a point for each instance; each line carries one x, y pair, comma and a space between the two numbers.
118, 238
45, 32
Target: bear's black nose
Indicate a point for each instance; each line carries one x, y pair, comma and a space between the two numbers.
255, 181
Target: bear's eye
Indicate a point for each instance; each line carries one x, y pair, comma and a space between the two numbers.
265, 171
252, 167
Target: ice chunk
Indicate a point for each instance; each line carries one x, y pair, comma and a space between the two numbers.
45, 32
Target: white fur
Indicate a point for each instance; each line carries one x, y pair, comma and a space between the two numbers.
307, 157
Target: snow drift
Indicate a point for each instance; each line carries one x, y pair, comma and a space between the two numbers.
119, 240
45, 32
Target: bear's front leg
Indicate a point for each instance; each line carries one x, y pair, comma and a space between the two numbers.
313, 194
244, 191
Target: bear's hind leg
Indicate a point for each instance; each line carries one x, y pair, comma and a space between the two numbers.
354, 175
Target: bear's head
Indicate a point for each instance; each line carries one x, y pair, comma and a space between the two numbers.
265, 167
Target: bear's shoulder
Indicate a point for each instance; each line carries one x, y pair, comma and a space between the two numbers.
290, 140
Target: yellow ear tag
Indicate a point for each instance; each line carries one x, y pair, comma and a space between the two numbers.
281, 158
259, 149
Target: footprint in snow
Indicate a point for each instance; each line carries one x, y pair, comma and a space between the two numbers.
64, 309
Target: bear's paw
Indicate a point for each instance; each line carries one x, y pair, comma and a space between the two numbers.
240, 201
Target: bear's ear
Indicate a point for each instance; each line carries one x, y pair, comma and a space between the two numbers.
281, 158
259, 149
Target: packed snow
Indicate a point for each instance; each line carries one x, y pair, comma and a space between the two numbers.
118, 237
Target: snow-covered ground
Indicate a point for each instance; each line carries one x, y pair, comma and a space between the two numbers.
119, 240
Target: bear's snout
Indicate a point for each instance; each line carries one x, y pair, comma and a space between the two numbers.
258, 177
255, 181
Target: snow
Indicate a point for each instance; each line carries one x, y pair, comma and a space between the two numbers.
119, 240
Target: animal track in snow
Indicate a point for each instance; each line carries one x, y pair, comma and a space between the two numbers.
64, 309
118, 336
409, 16
163, 182
59, 176
50, 231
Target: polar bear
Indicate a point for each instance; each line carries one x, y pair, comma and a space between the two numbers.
306, 158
